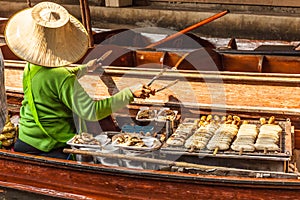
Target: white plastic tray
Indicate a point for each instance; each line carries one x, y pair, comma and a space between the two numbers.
102, 140
150, 142
162, 118
142, 109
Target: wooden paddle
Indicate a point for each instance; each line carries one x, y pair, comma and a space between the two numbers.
86, 20
82, 11
190, 28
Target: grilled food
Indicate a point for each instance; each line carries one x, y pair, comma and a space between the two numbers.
181, 134
245, 138
85, 138
268, 137
134, 141
203, 134
166, 115
146, 114
221, 140
128, 139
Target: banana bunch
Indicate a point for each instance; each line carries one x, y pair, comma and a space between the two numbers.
8, 134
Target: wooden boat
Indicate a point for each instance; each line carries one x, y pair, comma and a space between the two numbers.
212, 89
185, 51
199, 92
203, 56
187, 175
263, 59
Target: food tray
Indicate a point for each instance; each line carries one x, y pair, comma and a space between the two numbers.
102, 138
161, 115
146, 109
150, 142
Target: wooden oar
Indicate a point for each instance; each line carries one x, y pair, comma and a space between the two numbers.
86, 19
82, 11
190, 28
88, 22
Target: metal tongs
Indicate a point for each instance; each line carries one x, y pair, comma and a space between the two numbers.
104, 56
167, 86
100, 60
157, 77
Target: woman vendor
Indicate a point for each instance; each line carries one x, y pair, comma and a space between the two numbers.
49, 38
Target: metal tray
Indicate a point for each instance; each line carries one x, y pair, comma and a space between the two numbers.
184, 151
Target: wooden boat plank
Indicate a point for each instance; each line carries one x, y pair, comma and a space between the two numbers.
266, 99
17, 191
230, 87
271, 64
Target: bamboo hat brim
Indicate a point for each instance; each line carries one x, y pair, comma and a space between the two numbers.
46, 35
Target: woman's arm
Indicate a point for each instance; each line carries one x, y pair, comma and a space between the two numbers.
81, 70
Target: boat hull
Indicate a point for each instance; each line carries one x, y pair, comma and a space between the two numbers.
70, 179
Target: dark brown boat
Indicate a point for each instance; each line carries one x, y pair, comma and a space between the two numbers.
263, 59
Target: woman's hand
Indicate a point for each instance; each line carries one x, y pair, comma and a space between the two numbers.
142, 91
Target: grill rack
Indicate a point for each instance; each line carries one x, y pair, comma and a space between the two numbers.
282, 153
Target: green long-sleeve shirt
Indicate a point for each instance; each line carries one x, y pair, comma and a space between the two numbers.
57, 95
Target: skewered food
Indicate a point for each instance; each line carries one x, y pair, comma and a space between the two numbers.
268, 137
181, 134
262, 120
245, 138
223, 137
221, 140
203, 134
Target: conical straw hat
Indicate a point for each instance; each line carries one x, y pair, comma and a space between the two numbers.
46, 35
